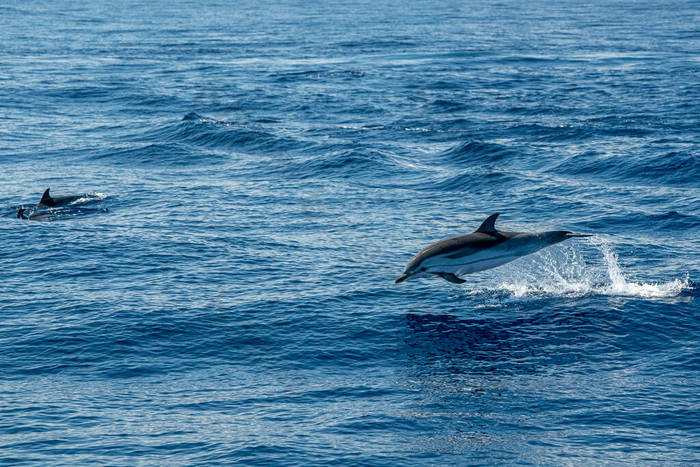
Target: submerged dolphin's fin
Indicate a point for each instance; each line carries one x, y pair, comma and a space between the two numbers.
46, 199
489, 225
449, 277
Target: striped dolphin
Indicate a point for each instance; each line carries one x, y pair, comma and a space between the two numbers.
483, 249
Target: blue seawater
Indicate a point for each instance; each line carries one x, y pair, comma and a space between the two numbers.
256, 175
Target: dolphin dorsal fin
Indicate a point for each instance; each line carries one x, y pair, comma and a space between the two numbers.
489, 225
46, 198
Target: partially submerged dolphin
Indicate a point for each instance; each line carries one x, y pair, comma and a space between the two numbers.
49, 207
484, 249
47, 200
32, 215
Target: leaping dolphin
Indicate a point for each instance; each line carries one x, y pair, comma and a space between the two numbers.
483, 249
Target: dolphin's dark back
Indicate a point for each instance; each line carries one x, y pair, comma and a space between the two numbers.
457, 247
474, 241
47, 200
486, 236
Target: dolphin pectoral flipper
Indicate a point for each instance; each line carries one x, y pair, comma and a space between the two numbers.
452, 278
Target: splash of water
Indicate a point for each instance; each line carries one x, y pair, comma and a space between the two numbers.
619, 285
564, 271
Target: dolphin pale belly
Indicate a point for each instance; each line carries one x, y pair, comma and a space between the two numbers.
483, 249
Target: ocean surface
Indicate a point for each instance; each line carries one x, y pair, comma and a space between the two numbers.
253, 176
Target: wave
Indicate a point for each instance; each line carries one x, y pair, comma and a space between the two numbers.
448, 106
673, 167
198, 140
156, 154
478, 152
471, 181
586, 130
565, 272
341, 163
667, 221
294, 76
207, 132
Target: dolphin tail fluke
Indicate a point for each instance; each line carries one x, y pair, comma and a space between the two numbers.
489, 225
452, 278
575, 235
46, 198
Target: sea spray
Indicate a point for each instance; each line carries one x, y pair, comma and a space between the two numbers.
568, 270
619, 285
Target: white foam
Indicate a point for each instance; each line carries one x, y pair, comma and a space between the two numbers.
563, 271
620, 285
90, 197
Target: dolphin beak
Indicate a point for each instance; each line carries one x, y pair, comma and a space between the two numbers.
573, 235
401, 278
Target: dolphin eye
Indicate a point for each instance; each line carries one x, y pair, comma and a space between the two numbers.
422, 269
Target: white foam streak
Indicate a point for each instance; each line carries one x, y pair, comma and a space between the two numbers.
564, 271
90, 197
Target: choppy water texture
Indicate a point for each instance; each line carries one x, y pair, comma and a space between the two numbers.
256, 176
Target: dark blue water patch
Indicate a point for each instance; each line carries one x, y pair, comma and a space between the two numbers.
574, 132
135, 342
472, 181
476, 153
335, 163
374, 45
198, 131
197, 140
563, 338
506, 344
321, 74
445, 104
84, 91
671, 168
671, 221
462, 125
448, 106
674, 221
157, 154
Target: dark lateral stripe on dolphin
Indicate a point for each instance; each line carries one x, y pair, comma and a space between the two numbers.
476, 261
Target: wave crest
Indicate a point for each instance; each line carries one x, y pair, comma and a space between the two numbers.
478, 151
